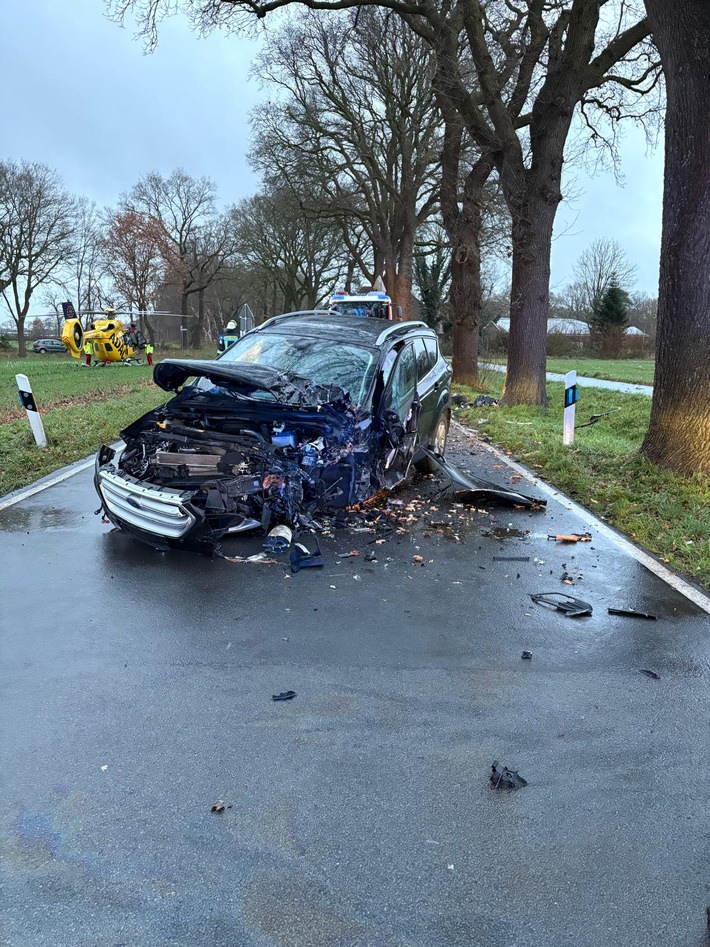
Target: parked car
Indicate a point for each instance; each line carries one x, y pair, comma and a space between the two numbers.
48, 345
307, 413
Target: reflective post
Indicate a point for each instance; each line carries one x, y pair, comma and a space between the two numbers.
571, 398
28, 403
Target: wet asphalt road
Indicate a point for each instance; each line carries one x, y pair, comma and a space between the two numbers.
136, 691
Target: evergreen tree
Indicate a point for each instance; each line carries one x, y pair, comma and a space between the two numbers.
610, 318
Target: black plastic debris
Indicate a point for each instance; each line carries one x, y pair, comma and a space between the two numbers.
630, 613
303, 558
508, 778
652, 674
485, 401
572, 607
526, 655
461, 401
472, 491
285, 695
511, 558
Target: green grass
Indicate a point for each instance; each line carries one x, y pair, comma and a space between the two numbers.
604, 471
634, 370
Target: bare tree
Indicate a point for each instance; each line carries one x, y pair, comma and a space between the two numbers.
134, 252
297, 258
603, 262
40, 222
679, 433
356, 133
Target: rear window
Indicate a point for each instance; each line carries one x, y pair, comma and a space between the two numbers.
321, 360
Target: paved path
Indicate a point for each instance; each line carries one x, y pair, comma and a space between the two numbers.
136, 691
583, 382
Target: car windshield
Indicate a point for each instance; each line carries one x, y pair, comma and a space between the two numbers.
320, 360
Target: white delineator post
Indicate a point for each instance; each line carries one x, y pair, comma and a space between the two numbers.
28, 403
571, 398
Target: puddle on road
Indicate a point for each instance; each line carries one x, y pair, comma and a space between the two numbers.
21, 520
505, 532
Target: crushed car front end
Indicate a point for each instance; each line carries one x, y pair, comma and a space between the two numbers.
243, 448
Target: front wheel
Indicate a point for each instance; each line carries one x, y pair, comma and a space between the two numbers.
43, 351
437, 445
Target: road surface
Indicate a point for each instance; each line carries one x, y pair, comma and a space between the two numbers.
136, 692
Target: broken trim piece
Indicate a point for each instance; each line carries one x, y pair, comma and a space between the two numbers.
468, 490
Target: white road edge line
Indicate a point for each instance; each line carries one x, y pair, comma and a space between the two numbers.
658, 569
46, 484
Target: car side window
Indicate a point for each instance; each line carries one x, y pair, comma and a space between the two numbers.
424, 363
403, 383
432, 347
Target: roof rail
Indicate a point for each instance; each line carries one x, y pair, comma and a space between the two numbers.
301, 312
397, 327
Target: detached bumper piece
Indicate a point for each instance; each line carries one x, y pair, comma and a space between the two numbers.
468, 490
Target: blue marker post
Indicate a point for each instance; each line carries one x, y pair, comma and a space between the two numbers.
571, 399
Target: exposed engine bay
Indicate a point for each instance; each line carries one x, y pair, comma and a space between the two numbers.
252, 456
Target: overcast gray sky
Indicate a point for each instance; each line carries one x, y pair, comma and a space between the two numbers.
77, 93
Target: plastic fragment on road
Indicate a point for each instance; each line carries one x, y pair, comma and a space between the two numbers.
652, 674
572, 607
630, 613
571, 537
284, 695
526, 655
220, 806
511, 558
508, 778
303, 558
278, 540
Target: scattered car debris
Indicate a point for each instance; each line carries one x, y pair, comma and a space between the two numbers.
651, 674
278, 540
572, 607
259, 557
285, 695
572, 538
508, 778
302, 558
526, 655
349, 555
630, 613
594, 418
485, 401
461, 401
220, 806
511, 558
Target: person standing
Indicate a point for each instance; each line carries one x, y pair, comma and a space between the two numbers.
149, 353
88, 352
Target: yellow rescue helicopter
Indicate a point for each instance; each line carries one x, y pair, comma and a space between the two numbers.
109, 339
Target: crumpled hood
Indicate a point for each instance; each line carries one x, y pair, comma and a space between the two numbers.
287, 388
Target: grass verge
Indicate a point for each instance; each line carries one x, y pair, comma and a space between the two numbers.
604, 471
637, 371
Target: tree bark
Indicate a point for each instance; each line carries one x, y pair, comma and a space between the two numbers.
679, 432
529, 303
21, 342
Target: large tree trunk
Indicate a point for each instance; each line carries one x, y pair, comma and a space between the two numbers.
679, 433
21, 343
402, 280
529, 303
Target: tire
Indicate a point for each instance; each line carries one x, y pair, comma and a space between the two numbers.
43, 351
437, 444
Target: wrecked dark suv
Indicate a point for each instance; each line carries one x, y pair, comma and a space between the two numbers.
303, 416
